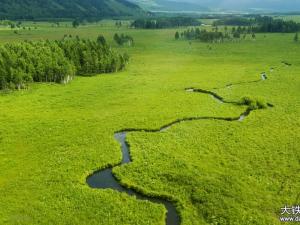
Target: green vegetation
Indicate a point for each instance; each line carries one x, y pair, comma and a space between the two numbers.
253, 103
204, 35
268, 24
91, 57
160, 23
123, 39
296, 37
215, 35
288, 17
262, 24
239, 173
234, 21
21, 63
57, 9
59, 61
9, 23
75, 23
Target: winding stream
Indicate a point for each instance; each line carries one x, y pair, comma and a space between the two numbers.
286, 63
263, 77
105, 179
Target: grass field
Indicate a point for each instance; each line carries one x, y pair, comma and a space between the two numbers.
53, 136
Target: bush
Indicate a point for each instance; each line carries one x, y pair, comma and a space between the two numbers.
253, 103
123, 39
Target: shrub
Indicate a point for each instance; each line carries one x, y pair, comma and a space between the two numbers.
253, 103
123, 39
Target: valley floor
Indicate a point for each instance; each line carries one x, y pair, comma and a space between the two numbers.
53, 136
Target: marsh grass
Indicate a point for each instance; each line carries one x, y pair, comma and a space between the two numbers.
52, 136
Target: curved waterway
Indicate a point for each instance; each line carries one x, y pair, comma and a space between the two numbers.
263, 78
286, 63
105, 179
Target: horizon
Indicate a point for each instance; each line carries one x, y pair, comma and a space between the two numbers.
221, 5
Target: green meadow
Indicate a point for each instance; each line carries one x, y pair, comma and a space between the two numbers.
53, 136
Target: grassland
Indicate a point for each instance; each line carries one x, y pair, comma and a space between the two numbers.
52, 136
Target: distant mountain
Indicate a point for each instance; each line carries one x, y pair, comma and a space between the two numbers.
170, 5
220, 5
42, 9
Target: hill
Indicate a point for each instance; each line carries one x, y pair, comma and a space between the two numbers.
44, 9
220, 5
168, 5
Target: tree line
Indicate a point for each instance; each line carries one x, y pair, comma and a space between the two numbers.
56, 61
160, 23
270, 25
219, 36
262, 24
202, 35
212, 36
233, 21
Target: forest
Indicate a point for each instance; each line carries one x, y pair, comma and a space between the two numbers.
215, 35
57, 9
160, 23
56, 61
202, 35
262, 24
271, 25
233, 21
